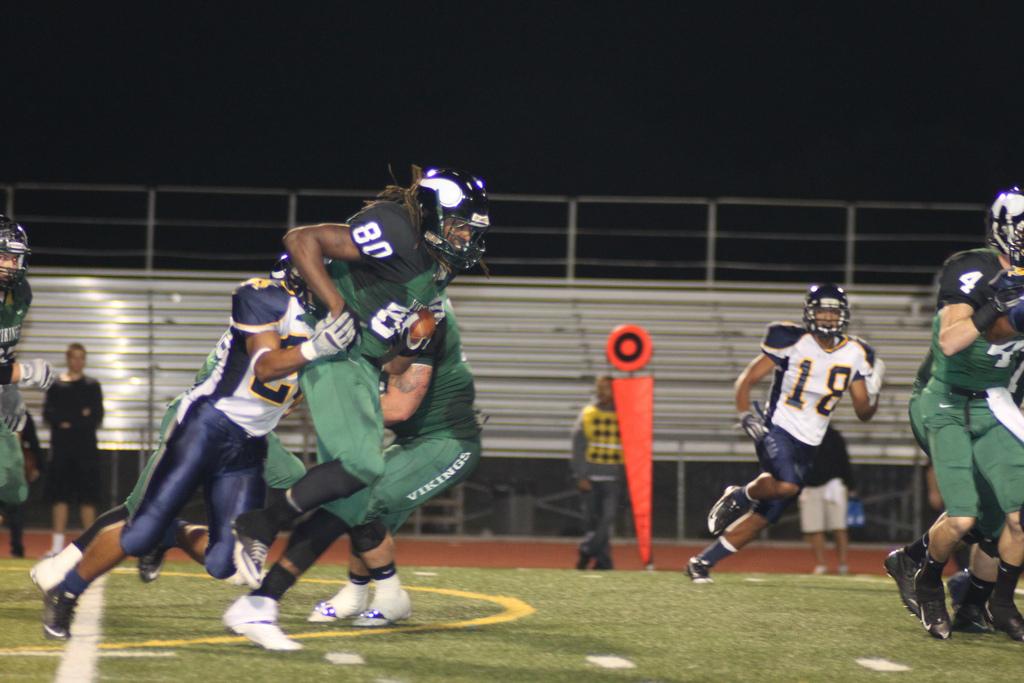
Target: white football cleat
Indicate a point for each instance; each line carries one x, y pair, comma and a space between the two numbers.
50, 571
250, 558
255, 617
385, 611
351, 600
236, 579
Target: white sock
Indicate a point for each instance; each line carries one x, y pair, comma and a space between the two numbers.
58, 543
388, 586
746, 492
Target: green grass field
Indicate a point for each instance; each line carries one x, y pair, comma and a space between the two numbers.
517, 625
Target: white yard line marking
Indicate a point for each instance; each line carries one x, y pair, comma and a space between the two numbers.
344, 658
754, 579
425, 573
880, 664
81, 654
611, 662
593, 576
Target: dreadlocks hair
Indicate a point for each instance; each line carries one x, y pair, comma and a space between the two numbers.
404, 196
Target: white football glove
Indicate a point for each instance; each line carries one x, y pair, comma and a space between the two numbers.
331, 336
753, 424
873, 382
437, 308
12, 408
36, 374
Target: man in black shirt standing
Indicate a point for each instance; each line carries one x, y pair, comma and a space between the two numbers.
823, 502
74, 411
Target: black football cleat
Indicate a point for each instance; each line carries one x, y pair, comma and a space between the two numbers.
150, 565
901, 568
698, 570
1006, 618
58, 612
971, 619
932, 601
729, 508
583, 560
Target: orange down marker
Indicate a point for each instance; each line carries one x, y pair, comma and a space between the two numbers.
629, 349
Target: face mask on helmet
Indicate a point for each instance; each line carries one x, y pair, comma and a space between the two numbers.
14, 252
1006, 226
454, 215
284, 270
826, 311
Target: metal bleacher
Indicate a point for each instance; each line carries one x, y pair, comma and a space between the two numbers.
535, 346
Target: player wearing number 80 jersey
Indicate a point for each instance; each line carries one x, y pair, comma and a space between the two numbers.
814, 365
387, 262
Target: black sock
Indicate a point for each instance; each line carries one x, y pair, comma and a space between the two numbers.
1006, 583
322, 484
978, 591
385, 572
916, 550
276, 583
281, 512
931, 571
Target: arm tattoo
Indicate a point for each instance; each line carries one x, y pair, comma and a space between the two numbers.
410, 380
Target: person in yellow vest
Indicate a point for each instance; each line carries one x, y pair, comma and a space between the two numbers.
597, 468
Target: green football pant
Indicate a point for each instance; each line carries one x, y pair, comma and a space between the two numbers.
917, 423
415, 470
282, 468
979, 463
13, 487
344, 401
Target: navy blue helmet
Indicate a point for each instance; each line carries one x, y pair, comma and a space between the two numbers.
826, 297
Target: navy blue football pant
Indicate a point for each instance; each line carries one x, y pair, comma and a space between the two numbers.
205, 449
787, 459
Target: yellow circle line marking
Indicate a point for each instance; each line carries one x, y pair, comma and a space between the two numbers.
514, 609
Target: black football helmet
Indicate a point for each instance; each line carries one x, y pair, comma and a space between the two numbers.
1006, 225
826, 297
14, 241
453, 199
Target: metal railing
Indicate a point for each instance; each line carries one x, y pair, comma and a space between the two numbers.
675, 238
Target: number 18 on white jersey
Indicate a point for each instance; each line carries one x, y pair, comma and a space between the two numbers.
809, 381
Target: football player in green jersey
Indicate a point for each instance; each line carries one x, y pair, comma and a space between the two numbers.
974, 431
430, 409
15, 299
387, 262
971, 590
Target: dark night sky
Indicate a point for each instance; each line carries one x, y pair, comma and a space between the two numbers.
841, 100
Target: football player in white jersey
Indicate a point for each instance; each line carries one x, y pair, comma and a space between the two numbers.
814, 365
218, 440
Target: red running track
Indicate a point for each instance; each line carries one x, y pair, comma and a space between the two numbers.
448, 551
